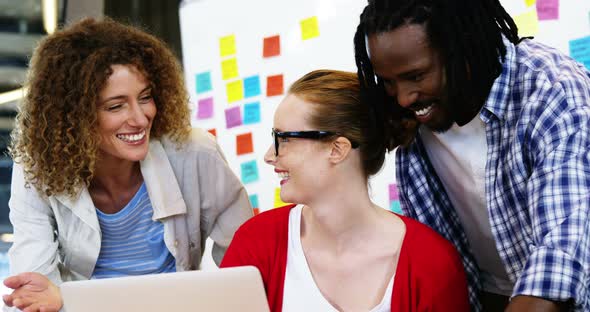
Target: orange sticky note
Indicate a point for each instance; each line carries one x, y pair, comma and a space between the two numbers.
309, 28
274, 85
229, 68
272, 46
213, 131
227, 45
256, 211
244, 143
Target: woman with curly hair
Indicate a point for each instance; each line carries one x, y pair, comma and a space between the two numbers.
109, 177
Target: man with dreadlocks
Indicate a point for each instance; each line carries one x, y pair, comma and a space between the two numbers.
497, 156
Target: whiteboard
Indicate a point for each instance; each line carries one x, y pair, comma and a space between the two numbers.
204, 22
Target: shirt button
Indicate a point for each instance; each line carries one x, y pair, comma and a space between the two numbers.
176, 243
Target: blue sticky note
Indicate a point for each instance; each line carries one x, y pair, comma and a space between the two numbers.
395, 206
251, 86
249, 171
580, 48
203, 81
251, 113
254, 201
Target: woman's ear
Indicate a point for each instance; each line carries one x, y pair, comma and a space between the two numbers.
340, 149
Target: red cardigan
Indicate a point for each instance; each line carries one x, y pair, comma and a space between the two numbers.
429, 274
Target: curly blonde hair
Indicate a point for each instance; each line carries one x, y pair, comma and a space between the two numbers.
55, 138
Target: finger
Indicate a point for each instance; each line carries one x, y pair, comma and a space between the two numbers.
22, 302
14, 282
33, 308
46, 309
7, 300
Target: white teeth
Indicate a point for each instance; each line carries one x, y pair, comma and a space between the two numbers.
424, 111
283, 175
131, 138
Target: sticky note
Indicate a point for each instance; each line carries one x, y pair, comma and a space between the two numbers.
256, 211
252, 86
203, 81
580, 50
272, 46
229, 68
205, 108
235, 91
548, 9
244, 144
274, 85
528, 23
252, 113
529, 2
249, 171
393, 192
227, 45
278, 201
213, 131
309, 28
395, 206
254, 201
233, 117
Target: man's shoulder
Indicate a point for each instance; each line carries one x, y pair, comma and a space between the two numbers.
535, 60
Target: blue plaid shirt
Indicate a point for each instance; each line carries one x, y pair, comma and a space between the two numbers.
537, 120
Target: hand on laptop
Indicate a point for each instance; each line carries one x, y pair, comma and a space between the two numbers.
33, 292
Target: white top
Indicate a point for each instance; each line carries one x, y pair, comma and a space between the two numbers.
300, 290
459, 158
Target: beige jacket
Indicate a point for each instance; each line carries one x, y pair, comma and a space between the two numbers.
193, 192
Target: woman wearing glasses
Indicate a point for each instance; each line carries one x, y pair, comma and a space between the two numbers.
336, 250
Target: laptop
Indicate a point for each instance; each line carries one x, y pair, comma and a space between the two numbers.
227, 289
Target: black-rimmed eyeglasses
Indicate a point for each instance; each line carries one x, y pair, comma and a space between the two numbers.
314, 135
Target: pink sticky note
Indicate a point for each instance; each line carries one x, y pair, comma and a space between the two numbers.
233, 117
205, 108
393, 192
548, 9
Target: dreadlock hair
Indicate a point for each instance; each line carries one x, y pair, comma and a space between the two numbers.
467, 34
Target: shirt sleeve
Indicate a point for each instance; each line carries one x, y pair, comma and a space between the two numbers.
225, 204
35, 246
558, 201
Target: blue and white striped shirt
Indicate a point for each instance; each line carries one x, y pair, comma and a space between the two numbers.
132, 243
537, 120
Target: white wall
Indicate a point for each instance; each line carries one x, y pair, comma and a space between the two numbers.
203, 22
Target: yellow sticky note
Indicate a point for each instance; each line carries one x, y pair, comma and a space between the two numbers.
528, 23
229, 68
227, 45
278, 201
310, 28
530, 2
235, 91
